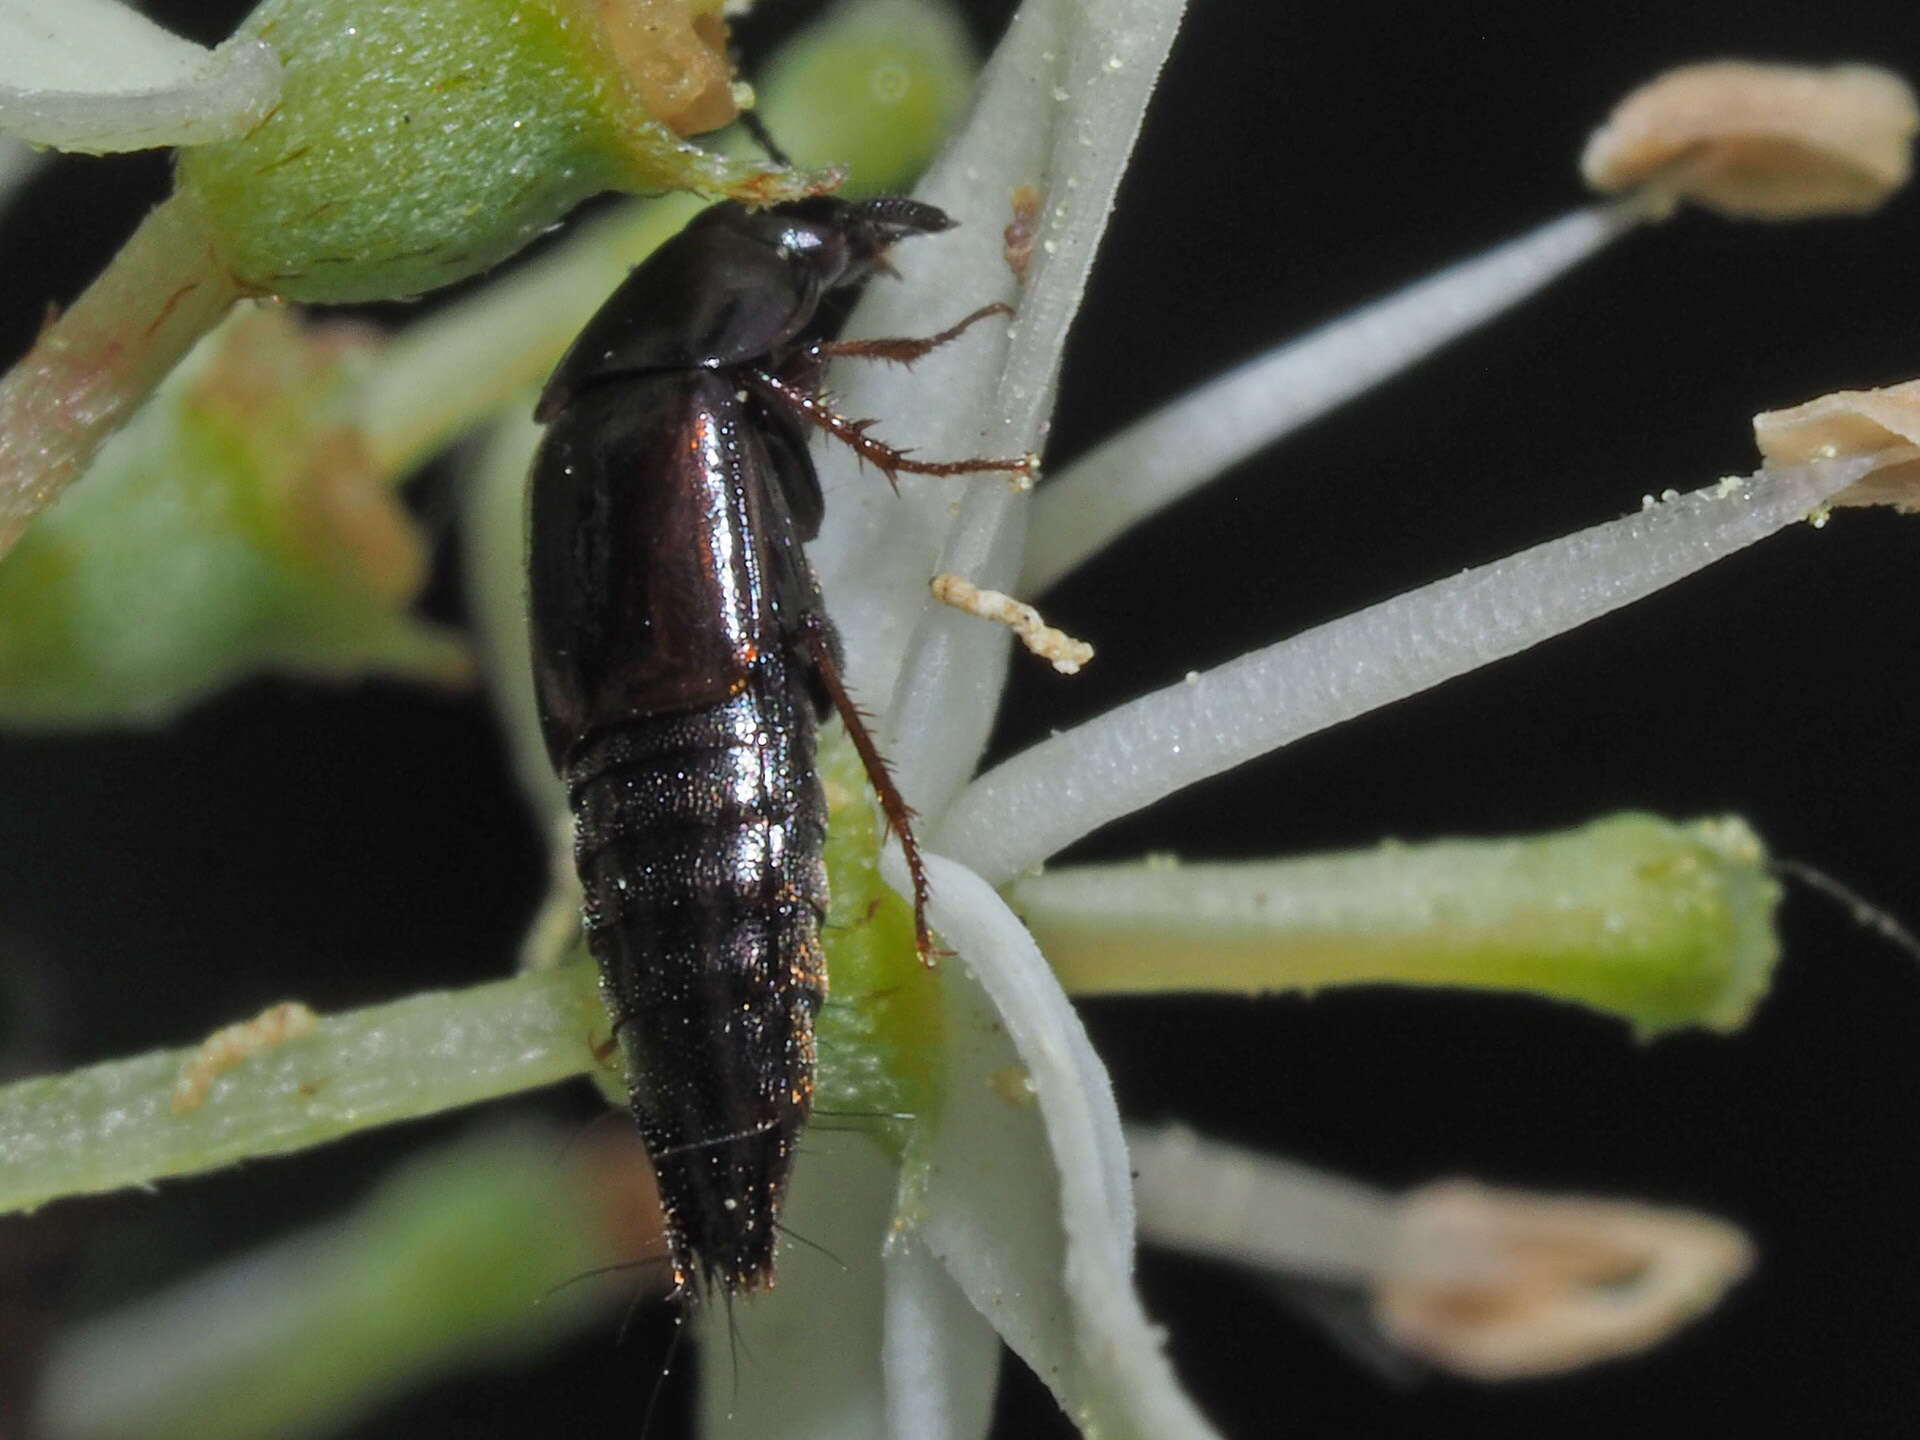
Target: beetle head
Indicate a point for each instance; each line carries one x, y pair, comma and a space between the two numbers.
844, 241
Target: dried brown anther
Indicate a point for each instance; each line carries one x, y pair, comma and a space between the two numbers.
1754, 141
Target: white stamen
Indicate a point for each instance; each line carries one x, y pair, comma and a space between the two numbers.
1048, 796
1157, 460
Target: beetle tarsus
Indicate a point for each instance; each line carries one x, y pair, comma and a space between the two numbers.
889, 460
904, 350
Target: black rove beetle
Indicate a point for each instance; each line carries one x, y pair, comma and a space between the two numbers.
683, 661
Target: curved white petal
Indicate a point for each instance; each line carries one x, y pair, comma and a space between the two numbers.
941, 1357
96, 76
1058, 109
1028, 1202
1048, 796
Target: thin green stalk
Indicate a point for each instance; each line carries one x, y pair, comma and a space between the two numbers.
113, 1125
91, 368
1664, 925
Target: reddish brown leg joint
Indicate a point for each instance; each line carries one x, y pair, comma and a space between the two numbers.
893, 806
853, 434
904, 351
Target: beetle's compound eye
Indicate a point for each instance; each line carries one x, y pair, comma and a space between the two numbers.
841, 242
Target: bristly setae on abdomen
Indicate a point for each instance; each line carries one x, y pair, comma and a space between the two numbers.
683, 662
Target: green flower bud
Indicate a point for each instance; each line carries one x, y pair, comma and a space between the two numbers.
418, 142
876, 86
236, 525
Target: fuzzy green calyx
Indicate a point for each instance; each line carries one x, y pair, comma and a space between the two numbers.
418, 142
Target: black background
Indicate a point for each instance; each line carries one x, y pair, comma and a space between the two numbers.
352, 846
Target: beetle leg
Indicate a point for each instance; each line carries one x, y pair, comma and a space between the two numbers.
904, 351
893, 806
891, 462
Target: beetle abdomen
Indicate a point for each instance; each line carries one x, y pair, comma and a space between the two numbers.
698, 838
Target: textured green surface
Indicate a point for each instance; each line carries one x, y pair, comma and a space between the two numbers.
1662, 924
418, 142
110, 1126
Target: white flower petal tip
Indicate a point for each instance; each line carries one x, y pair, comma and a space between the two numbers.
1056, 112
1026, 1197
1763, 142
1504, 1285
1885, 423
95, 76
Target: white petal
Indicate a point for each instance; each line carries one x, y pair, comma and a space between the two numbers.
94, 75
1058, 108
942, 1358
1048, 796
1050, 1264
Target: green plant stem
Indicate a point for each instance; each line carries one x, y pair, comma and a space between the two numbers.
112, 1125
1664, 925
91, 368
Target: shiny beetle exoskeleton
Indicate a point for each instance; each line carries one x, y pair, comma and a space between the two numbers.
683, 661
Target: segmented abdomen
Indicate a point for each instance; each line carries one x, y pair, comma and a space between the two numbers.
698, 838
